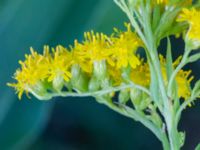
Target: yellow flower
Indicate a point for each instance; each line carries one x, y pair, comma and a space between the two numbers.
192, 17
95, 47
124, 47
59, 64
141, 74
183, 81
33, 70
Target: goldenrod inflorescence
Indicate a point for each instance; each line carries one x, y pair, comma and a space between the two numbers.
96, 58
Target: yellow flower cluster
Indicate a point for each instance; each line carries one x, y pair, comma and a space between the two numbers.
113, 54
118, 51
192, 17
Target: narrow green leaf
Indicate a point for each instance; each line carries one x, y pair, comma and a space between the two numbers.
170, 69
156, 17
169, 61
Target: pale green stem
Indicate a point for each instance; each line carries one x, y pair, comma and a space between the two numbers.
131, 113
96, 93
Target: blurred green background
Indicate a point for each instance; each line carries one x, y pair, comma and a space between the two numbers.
66, 123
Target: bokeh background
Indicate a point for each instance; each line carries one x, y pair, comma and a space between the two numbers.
67, 123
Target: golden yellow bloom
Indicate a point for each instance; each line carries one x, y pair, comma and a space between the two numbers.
33, 70
183, 81
192, 17
124, 48
95, 47
141, 74
59, 64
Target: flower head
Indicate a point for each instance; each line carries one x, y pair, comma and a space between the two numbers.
59, 64
95, 47
125, 46
191, 16
33, 70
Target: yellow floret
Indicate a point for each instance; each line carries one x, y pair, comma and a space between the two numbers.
125, 47
192, 17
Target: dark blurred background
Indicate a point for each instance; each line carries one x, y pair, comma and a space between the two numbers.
67, 123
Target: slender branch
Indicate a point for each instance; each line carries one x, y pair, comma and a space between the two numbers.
96, 93
131, 113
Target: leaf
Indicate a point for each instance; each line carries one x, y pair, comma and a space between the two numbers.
197, 147
156, 17
194, 58
170, 69
169, 60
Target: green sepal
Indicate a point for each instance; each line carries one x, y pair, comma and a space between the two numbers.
94, 84
39, 90
58, 83
100, 69
139, 99
145, 102
136, 97
194, 58
126, 73
124, 96
79, 80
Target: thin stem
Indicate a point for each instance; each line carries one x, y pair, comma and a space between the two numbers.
131, 113
96, 93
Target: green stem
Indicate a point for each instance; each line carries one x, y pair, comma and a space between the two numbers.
133, 114
48, 96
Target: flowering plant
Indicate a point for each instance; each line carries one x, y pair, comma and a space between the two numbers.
153, 89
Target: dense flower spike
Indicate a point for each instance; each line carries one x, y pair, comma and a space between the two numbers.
54, 67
